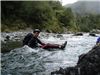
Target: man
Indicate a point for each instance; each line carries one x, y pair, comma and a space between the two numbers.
32, 41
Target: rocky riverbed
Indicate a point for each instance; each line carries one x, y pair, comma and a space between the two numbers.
88, 64
22, 60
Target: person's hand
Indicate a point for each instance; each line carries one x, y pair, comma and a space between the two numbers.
43, 46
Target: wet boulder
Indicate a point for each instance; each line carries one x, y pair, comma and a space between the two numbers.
92, 34
7, 38
10, 45
88, 64
66, 71
78, 34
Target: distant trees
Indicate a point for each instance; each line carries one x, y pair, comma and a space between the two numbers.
88, 22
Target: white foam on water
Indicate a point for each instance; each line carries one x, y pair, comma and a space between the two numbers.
36, 61
29, 50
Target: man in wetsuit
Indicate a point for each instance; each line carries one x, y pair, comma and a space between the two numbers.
32, 41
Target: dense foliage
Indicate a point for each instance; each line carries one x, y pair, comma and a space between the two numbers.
88, 22
45, 15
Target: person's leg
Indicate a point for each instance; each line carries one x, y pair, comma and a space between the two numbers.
54, 46
51, 46
64, 45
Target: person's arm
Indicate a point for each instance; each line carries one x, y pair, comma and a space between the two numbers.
40, 42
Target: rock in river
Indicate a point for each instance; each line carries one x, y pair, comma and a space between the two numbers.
88, 64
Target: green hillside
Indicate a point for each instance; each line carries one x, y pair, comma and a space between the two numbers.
45, 15
84, 7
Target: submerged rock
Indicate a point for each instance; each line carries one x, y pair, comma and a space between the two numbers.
59, 36
10, 45
88, 64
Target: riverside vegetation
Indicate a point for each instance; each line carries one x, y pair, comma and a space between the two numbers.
46, 15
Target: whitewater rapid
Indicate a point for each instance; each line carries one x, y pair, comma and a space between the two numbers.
28, 61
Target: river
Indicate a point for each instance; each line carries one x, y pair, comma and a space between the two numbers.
28, 61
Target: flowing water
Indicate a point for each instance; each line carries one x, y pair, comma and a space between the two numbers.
28, 61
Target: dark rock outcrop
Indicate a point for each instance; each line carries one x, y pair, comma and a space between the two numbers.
92, 34
88, 64
78, 34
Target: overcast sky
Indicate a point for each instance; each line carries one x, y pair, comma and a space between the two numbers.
64, 2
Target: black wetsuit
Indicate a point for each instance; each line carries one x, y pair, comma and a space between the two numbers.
31, 41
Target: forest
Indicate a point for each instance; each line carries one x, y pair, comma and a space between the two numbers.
46, 15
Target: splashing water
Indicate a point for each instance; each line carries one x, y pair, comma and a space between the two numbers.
28, 61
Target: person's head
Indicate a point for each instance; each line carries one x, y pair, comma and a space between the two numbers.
36, 32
